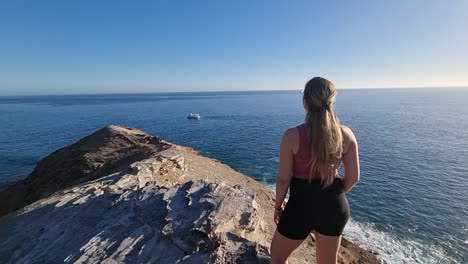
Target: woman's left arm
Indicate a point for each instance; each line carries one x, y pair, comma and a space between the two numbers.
285, 170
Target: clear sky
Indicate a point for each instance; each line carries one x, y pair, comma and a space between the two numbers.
81, 46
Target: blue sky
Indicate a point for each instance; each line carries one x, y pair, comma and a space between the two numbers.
69, 47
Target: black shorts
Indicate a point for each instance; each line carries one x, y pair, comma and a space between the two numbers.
314, 207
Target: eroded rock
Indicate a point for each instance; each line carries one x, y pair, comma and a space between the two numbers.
194, 222
105, 151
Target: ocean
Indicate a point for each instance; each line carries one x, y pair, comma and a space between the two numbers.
411, 204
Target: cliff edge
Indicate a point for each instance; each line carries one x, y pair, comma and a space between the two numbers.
123, 196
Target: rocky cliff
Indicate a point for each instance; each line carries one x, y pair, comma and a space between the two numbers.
107, 150
123, 196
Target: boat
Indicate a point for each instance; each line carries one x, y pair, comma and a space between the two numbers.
193, 116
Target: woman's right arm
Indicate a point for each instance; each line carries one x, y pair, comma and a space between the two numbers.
350, 159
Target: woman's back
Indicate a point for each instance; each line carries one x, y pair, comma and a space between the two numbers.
303, 155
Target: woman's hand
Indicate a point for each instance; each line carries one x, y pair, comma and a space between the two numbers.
278, 212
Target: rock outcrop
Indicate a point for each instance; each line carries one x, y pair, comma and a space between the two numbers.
107, 150
101, 222
122, 196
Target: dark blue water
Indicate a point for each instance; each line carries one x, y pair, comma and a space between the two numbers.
411, 204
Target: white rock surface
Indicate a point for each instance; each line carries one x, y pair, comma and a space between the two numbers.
113, 220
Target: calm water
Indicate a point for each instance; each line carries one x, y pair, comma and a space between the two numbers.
411, 204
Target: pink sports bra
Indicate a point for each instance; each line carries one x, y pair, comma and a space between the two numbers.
301, 166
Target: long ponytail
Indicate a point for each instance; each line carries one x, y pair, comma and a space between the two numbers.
326, 141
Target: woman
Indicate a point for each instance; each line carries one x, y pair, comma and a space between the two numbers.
310, 155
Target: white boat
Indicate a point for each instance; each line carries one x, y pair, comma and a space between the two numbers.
193, 116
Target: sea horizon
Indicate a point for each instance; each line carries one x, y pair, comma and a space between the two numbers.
233, 91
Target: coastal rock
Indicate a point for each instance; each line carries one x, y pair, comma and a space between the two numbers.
101, 153
134, 198
194, 222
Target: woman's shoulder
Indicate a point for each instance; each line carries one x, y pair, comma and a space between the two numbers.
346, 131
291, 138
291, 133
348, 137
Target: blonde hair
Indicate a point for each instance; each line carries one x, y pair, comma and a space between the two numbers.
326, 140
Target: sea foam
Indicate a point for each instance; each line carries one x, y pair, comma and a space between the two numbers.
390, 248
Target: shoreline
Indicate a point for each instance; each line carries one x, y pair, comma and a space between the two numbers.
185, 164
388, 245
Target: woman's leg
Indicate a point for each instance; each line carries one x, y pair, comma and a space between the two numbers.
282, 247
326, 248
